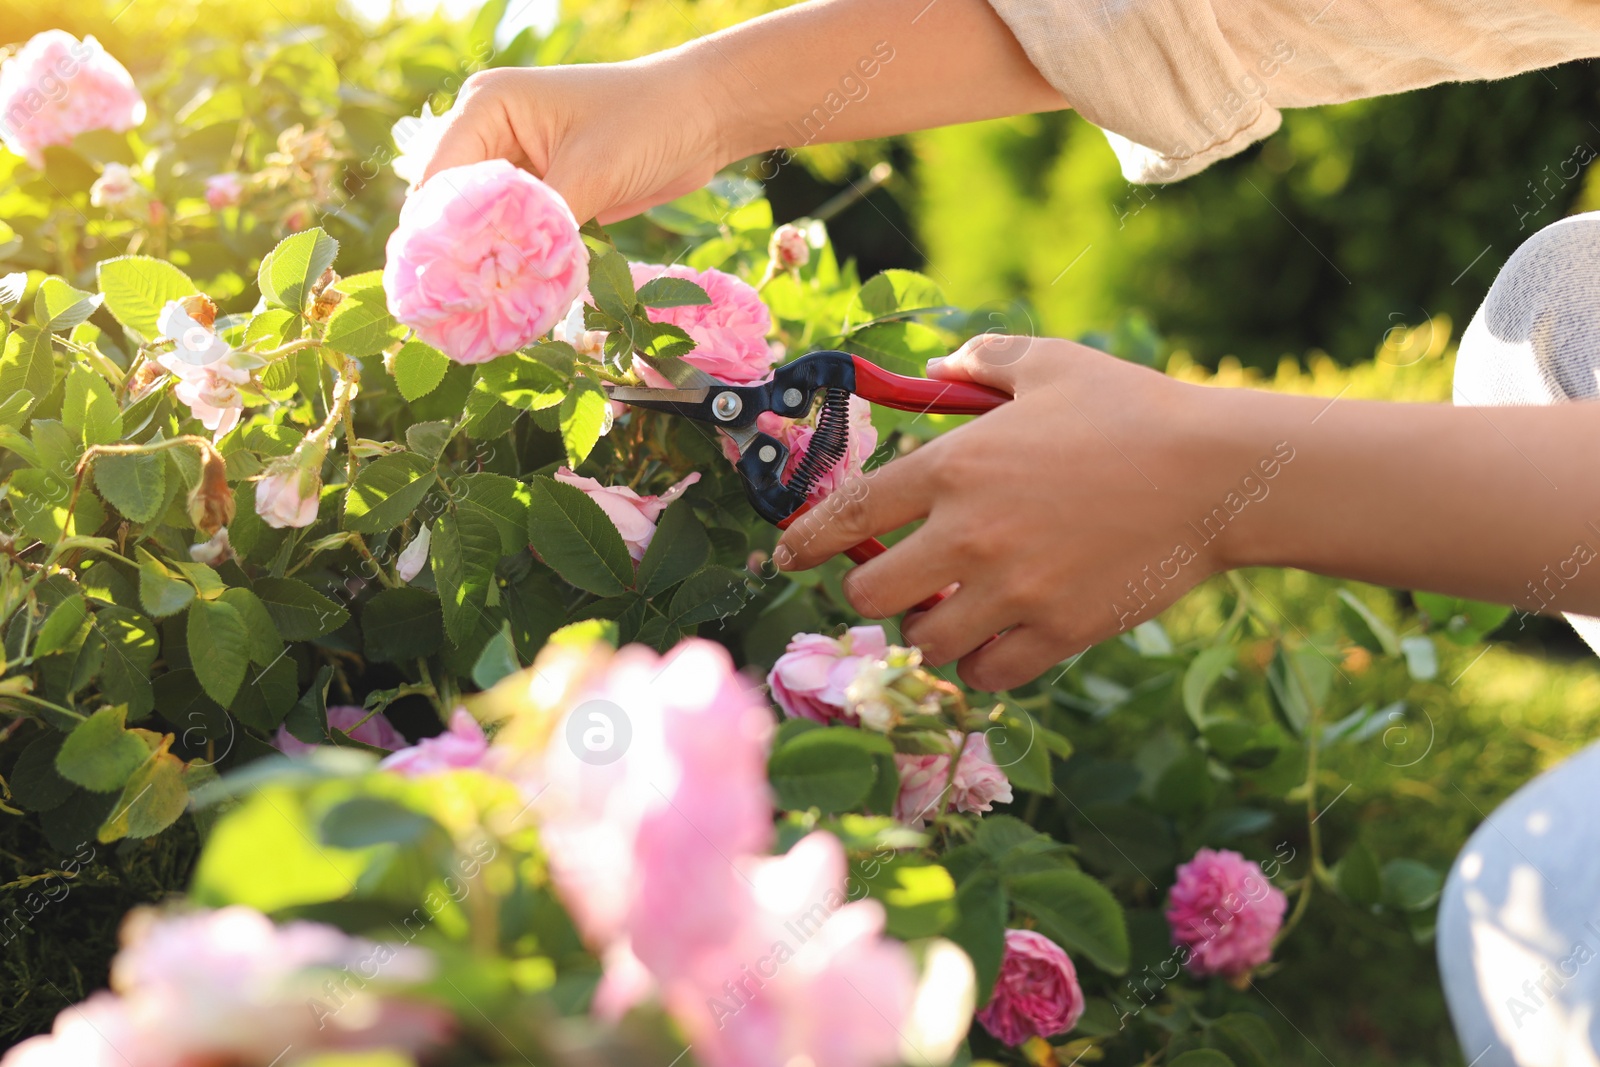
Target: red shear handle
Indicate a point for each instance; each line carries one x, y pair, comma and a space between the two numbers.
923, 394
871, 548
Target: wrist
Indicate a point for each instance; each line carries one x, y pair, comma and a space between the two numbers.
700, 81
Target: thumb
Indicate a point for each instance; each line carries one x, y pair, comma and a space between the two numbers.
997, 360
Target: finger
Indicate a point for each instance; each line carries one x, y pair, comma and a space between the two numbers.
877, 502
1016, 657
478, 129
998, 360
957, 625
912, 570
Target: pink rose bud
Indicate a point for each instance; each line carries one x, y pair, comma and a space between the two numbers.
796, 436
486, 259
57, 87
789, 248
208, 370
730, 333
633, 515
213, 552
414, 556
1037, 993
114, 186
810, 678
1225, 912
288, 494
224, 190
978, 785
375, 731
461, 747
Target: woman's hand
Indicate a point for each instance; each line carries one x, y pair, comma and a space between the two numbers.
614, 139
1105, 490
1056, 515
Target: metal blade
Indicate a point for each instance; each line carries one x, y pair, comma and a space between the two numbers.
643, 395
680, 373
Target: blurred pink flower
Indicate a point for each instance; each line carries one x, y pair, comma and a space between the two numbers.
414, 556
796, 436
114, 186
633, 515
789, 248
486, 259
461, 746
208, 370
978, 783
812, 980
810, 678
288, 495
1225, 912
590, 344
228, 986
1037, 993
376, 731
57, 87
224, 190
730, 333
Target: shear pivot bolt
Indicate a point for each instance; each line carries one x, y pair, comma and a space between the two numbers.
792, 398
727, 406
767, 453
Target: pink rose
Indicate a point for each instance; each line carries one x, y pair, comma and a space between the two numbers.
114, 186
1225, 912
224, 190
485, 260
789, 248
209, 372
229, 986
810, 678
57, 87
1037, 992
796, 436
461, 746
376, 731
633, 515
288, 495
414, 556
977, 786
730, 333
590, 344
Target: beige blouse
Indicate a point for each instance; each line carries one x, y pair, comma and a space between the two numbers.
1179, 84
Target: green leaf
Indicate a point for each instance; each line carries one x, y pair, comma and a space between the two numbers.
1299, 681
219, 646
504, 500
89, 409
428, 439
611, 284
576, 538
980, 927
832, 770
386, 492
465, 549
894, 291
137, 288
583, 416
1357, 877
361, 325
665, 292
271, 329
402, 624
498, 659
679, 548
918, 897
1076, 911
903, 347
100, 754
1018, 749
1202, 1057
27, 362
66, 621
160, 593
1245, 1039
264, 853
290, 270
267, 695
135, 485
301, 612
131, 648
1364, 626
1208, 666
713, 592
1464, 622
363, 821
265, 644
58, 307
35, 783
520, 382
151, 801
1410, 885
418, 369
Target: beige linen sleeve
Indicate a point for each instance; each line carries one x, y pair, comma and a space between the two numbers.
1179, 84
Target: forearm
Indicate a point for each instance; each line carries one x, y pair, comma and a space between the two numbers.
1498, 504
844, 70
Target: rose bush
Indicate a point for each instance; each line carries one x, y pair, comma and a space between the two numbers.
293, 463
